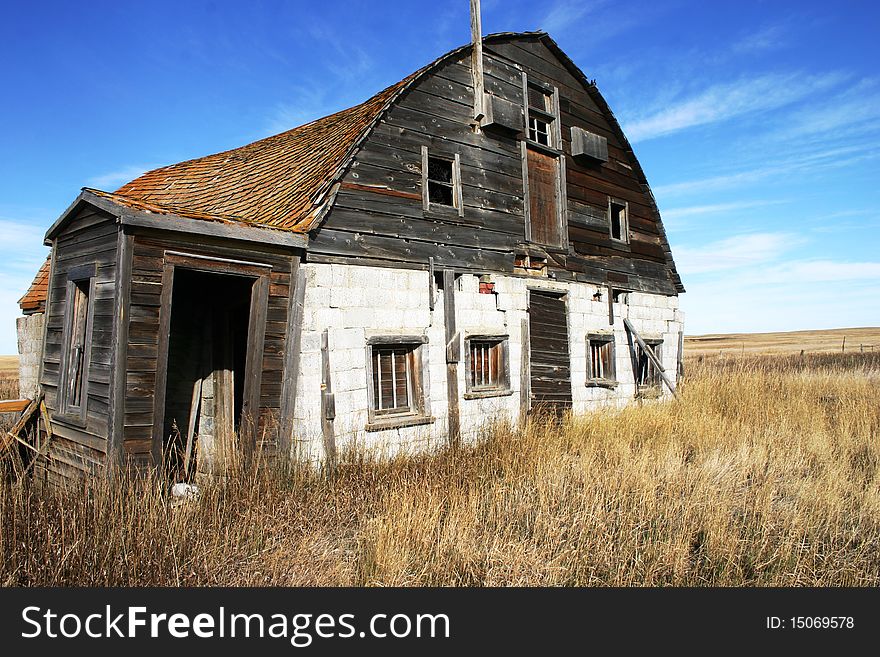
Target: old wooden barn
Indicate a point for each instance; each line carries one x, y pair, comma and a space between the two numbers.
470, 243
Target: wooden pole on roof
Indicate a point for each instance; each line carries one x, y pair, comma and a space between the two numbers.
477, 59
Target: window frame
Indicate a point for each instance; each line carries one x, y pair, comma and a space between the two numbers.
549, 116
417, 383
502, 386
624, 227
657, 381
457, 200
606, 339
80, 280
550, 92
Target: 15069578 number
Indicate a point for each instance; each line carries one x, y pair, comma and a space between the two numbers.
822, 622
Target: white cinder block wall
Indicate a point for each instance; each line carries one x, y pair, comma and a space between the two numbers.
354, 303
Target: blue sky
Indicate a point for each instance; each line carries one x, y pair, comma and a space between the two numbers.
757, 123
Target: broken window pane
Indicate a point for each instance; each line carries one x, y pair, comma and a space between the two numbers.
441, 181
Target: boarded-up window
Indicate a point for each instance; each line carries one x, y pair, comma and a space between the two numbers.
487, 368
601, 355
647, 374
543, 176
392, 379
76, 342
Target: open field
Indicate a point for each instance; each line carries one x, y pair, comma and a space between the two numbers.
830, 340
8, 365
766, 472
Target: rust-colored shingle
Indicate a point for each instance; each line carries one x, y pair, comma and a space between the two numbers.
273, 182
34, 300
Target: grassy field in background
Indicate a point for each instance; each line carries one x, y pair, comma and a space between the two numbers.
824, 341
765, 473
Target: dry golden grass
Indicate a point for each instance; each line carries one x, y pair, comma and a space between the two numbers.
9, 365
8, 390
767, 472
820, 341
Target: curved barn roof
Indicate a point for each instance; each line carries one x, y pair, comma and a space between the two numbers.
282, 181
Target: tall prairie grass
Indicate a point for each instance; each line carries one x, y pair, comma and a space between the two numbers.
766, 472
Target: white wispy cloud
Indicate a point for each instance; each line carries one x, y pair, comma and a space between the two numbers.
676, 214
114, 179
734, 252
724, 101
851, 112
21, 254
790, 164
784, 296
565, 13
769, 37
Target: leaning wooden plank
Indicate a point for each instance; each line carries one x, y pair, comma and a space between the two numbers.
328, 403
190, 429
650, 353
14, 405
10, 437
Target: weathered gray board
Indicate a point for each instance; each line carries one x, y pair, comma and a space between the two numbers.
550, 363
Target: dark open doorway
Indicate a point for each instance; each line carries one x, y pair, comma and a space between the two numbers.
207, 357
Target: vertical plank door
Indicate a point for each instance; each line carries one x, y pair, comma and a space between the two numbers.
550, 363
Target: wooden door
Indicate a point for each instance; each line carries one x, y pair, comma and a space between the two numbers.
549, 362
543, 173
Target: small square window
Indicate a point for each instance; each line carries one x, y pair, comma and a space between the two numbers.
539, 131
487, 366
618, 220
601, 358
647, 373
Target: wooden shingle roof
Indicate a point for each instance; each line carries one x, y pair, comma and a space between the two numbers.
34, 300
273, 182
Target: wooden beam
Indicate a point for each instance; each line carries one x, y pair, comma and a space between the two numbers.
650, 353
610, 305
119, 352
14, 405
680, 360
242, 232
11, 436
292, 349
328, 403
431, 299
453, 355
477, 59
525, 393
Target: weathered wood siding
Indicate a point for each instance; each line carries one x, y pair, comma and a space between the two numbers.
142, 360
378, 214
80, 448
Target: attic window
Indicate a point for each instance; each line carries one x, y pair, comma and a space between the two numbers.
541, 115
618, 219
441, 181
